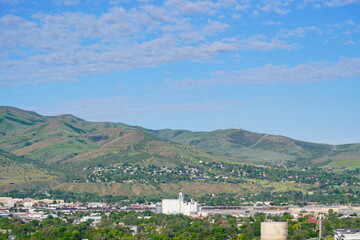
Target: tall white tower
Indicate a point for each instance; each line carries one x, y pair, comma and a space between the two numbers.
181, 198
181, 201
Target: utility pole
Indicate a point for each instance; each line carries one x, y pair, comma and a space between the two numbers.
320, 217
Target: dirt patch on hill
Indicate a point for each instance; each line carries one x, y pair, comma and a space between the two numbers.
54, 124
161, 148
36, 146
87, 155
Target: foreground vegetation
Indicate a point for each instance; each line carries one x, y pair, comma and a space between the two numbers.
145, 225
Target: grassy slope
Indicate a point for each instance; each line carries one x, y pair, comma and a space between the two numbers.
68, 139
263, 148
14, 119
69, 144
21, 173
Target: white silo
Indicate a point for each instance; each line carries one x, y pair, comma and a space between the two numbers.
274, 230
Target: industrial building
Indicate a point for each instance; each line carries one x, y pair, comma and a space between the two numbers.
178, 206
274, 230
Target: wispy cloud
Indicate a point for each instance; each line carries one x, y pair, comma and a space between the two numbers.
346, 68
63, 47
67, 2
300, 31
278, 6
196, 7
66, 46
331, 3
271, 23
262, 42
343, 32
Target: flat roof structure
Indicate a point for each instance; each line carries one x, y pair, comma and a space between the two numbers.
347, 234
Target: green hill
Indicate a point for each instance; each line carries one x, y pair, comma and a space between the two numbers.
69, 138
14, 119
19, 173
263, 148
115, 158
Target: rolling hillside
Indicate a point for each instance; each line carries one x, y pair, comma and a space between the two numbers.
19, 173
66, 138
264, 148
70, 154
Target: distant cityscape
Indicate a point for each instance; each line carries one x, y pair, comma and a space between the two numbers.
180, 120
39, 210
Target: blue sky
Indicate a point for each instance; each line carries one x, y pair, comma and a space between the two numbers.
281, 67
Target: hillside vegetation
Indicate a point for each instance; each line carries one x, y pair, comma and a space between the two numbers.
264, 148
70, 154
19, 173
69, 138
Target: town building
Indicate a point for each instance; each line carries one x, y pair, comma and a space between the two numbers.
347, 234
314, 209
274, 230
94, 217
178, 206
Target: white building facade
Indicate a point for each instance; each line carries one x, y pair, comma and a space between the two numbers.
274, 230
178, 206
347, 234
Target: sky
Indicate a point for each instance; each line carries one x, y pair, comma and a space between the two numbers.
283, 67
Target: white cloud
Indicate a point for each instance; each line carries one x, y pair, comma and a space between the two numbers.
215, 26
59, 47
271, 23
350, 42
186, 83
262, 42
300, 31
282, 7
212, 28
65, 46
67, 2
331, 3
343, 32
278, 6
346, 68
264, 6
73, 61
198, 7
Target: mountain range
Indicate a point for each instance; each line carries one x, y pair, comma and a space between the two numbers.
61, 147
